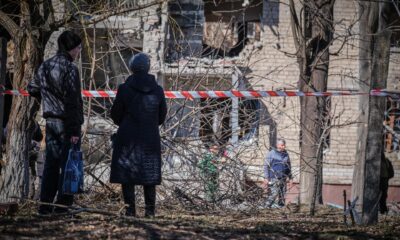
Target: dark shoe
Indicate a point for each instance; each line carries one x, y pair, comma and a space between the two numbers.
59, 210
45, 210
130, 212
149, 213
383, 210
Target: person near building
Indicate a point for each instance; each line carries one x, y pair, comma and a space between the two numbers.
57, 86
138, 109
277, 171
387, 173
209, 173
396, 129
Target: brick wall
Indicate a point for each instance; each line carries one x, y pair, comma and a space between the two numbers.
393, 81
273, 69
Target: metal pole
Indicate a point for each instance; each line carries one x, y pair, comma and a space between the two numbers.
235, 109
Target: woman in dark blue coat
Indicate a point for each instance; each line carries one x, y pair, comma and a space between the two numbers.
139, 108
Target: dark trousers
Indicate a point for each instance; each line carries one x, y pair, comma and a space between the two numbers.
57, 147
383, 187
128, 191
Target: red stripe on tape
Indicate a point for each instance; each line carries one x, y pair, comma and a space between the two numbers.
255, 94
203, 94
169, 94
272, 93
86, 93
237, 93
104, 94
226, 94
291, 93
220, 94
186, 94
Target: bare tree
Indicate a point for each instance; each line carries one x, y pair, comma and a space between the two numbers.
30, 31
313, 34
192, 123
375, 21
3, 71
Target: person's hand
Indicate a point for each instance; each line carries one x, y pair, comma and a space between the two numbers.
265, 183
74, 139
290, 183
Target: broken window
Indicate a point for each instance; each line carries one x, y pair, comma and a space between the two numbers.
249, 118
216, 118
229, 27
215, 121
209, 119
392, 111
184, 32
392, 125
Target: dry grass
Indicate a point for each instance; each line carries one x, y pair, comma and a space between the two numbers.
175, 223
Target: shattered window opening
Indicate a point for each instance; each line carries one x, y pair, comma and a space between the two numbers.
210, 119
392, 124
225, 34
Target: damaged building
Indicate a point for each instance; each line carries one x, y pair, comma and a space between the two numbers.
248, 45
198, 45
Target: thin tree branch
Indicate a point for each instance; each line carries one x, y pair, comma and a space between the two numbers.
101, 17
12, 28
48, 13
296, 29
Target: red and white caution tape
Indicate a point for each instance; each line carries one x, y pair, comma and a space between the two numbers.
227, 94
252, 94
16, 92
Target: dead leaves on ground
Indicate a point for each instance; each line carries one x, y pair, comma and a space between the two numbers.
174, 223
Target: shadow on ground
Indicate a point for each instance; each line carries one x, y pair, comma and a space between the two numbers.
180, 224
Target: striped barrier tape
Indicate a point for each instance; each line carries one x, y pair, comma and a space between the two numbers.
227, 94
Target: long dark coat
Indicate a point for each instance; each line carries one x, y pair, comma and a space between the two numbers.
138, 109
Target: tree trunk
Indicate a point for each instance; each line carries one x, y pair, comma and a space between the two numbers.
3, 69
14, 176
313, 109
374, 64
367, 10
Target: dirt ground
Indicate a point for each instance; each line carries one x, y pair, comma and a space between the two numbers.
175, 223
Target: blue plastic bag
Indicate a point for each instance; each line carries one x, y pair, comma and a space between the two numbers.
73, 172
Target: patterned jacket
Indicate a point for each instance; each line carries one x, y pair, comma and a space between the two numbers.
57, 85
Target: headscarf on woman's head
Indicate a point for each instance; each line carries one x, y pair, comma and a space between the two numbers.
139, 63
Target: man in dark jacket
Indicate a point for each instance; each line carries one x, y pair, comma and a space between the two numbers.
277, 170
387, 172
138, 109
57, 85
